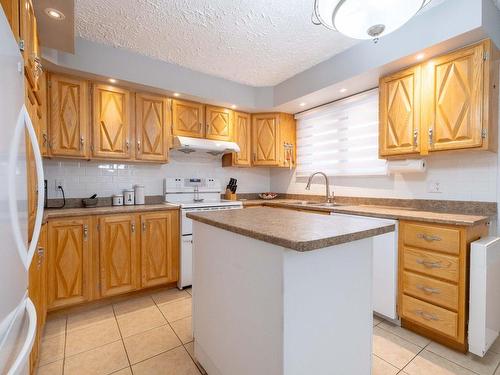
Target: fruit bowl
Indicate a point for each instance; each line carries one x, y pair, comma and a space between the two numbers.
268, 196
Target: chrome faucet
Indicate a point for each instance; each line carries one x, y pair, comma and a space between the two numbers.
329, 198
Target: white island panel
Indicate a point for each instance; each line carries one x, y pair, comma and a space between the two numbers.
259, 308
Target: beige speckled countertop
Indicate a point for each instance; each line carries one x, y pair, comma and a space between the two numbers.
386, 212
56, 213
301, 231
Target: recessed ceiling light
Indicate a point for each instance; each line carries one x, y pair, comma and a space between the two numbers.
112, 80
54, 14
420, 56
343, 90
233, 106
176, 94
302, 104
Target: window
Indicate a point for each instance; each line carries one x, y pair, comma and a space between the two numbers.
341, 138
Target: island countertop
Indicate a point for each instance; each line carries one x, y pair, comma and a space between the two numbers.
300, 231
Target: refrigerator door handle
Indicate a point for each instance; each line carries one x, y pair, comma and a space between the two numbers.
40, 183
24, 122
25, 351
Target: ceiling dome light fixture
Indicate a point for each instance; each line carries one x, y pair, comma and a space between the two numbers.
365, 19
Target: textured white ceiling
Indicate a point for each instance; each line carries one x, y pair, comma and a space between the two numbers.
255, 42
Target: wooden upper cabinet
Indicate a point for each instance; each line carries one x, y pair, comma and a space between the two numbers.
11, 10
69, 266
187, 118
43, 117
219, 123
152, 127
119, 254
265, 139
69, 108
111, 125
288, 141
159, 248
29, 37
243, 137
399, 111
454, 99
447, 103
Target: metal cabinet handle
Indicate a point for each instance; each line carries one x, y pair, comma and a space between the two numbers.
428, 290
144, 226
85, 232
415, 137
127, 144
431, 132
45, 139
254, 156
428, 238
138, 145
133, 227
41, 254
426, 315
82, 142
429, 264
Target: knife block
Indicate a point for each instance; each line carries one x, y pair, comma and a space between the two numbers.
230, 196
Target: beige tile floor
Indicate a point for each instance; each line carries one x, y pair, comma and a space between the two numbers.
151, 334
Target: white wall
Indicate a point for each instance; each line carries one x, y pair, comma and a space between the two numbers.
84, 178
466, 175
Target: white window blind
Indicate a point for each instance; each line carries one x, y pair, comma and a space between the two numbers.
341, 138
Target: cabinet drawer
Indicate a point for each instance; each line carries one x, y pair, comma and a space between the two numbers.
432, 237
432, 264
431, 290
430, 316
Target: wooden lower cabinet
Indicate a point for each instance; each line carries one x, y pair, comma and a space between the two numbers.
159, 248
107, 255
118, 254
37, 290
433, 279
70, 262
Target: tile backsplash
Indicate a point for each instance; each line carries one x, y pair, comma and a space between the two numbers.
84, 178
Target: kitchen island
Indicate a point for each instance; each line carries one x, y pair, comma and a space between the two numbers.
283, 292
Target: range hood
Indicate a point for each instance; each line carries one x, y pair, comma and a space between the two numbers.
216, 148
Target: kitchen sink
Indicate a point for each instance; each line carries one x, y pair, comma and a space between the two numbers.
323, 204
315, 204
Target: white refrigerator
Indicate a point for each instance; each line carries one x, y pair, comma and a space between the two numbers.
17, 312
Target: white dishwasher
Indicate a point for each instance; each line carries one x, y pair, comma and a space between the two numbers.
385, 270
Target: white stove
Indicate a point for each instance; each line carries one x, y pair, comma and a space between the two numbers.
193, 194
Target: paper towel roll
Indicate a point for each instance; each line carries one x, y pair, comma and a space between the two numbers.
406, 166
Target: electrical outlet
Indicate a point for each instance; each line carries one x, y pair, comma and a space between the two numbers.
435, 187
59, 182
